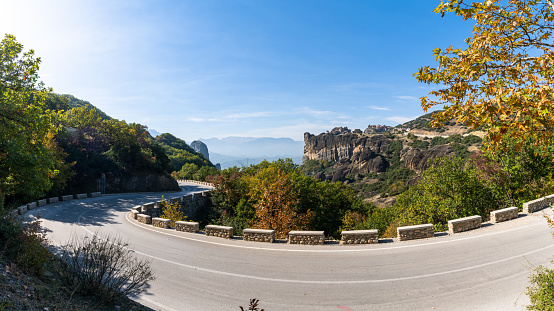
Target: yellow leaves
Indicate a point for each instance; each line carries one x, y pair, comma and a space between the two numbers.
496, 69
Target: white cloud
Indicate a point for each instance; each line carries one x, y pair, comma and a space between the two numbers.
378, 108
406, 97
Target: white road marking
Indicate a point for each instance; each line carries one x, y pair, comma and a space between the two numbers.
323, 282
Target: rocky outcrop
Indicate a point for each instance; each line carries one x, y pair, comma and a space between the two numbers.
418, 160
200, 147
349, 147
358, 154
354, 153
140, 183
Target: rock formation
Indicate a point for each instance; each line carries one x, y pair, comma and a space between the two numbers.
200, 147
355, 153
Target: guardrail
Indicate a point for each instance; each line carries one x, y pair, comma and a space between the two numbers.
197, 182
307, 237
360, 237
415, 232
504, 214
464, 224
43, 202
349, 237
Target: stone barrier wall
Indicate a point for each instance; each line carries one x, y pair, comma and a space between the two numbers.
187, 226
43, 202
145, 219
96, 194
464, 224
415, 232
52, 200
175, 200
259, 235
318, 237
160, 222
147, 208
157, 212
219, 231
535, 205
191, 205
360, 237
307, 237
22, 210
504, 214
80, 196
549, 199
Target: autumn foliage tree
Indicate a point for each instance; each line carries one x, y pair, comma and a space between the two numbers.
503, 80
276, 202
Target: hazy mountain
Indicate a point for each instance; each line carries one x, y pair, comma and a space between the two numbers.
243, 151
153, 132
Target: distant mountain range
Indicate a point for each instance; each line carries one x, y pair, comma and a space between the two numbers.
243, 151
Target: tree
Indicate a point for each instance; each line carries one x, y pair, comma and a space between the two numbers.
503, 80
449, 190
26, 164
276, 202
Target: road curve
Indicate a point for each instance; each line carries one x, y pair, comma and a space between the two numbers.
485, 269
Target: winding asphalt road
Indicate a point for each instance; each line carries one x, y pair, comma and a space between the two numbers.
486, 269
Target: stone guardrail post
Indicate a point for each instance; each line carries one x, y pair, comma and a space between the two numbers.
219, 231
415, 232
307, 237
187, 226
359, 237
504, 214
31, 205
464, 224
22, 209
535, 205
52, 200
258, 235
66, 198
145, 219
80, 196
161, 222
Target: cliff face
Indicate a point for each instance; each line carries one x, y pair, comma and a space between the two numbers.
201, 147
359, 154
356, 153
418, 160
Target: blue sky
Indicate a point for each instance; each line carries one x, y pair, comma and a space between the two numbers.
237, 68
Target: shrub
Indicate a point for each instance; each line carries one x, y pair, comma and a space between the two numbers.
541, 290
103, 267
449, 190
24, 243
173, 212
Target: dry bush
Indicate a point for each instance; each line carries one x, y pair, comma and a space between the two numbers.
104, 267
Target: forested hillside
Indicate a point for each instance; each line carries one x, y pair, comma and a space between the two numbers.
54, 144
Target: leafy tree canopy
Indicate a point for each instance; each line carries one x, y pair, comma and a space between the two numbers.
503, 79
26, 163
